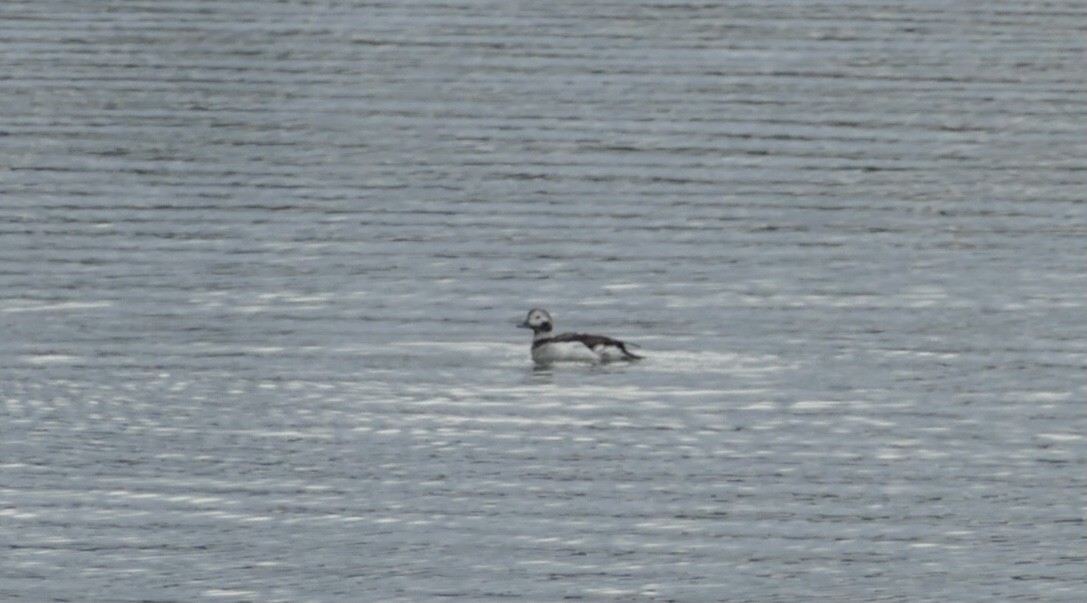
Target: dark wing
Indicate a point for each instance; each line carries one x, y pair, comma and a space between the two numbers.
592, 341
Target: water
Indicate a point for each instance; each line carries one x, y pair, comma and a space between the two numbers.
260, 266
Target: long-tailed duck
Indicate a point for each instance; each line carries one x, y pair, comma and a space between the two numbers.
548, 348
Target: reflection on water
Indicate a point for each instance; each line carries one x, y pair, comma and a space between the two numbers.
259, 271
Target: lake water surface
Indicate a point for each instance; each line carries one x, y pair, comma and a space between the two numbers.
260, 267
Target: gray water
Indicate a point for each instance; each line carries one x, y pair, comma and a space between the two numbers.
260, 266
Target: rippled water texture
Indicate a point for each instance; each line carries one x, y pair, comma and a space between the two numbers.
260, 267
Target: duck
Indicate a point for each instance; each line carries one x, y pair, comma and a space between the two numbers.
578, 347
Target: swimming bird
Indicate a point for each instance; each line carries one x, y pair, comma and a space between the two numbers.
547, 348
